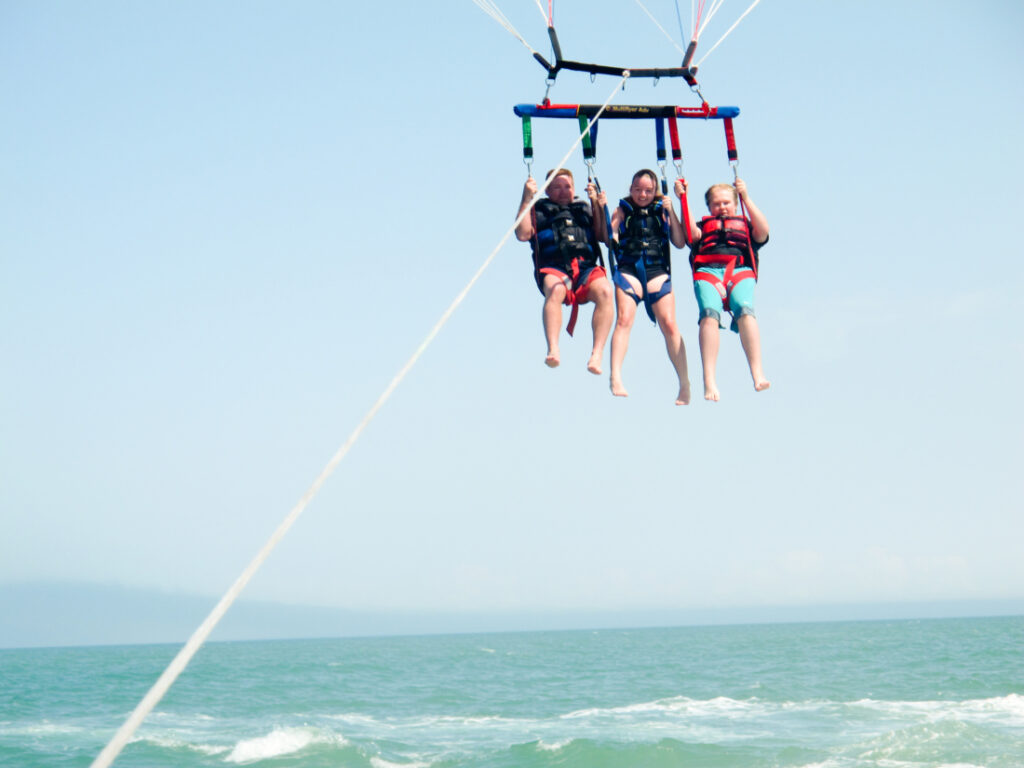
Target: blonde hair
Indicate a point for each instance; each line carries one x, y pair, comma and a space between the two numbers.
561, 172
716, 187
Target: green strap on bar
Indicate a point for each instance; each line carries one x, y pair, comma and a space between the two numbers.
527, 138
588, 148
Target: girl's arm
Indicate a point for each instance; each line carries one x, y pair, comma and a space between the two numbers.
758, 223
681, 187
675, 227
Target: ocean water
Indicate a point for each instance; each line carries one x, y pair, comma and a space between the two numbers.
891, 694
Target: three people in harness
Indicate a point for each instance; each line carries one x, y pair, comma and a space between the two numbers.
565, 233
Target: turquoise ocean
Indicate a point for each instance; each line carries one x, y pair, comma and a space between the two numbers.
892, 694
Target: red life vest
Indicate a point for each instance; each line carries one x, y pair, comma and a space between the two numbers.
725, 241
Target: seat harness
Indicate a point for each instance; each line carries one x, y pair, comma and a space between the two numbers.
643, 241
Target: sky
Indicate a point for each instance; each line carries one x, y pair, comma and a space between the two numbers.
225, 227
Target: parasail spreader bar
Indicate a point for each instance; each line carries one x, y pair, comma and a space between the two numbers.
624, 111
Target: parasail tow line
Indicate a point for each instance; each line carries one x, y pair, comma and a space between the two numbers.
492, 10
658, 25
727, 32
110, 752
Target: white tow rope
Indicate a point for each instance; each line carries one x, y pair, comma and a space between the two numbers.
178, 664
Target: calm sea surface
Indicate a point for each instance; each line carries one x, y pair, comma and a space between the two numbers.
893, 694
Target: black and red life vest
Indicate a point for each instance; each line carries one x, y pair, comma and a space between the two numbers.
564, 243
644, 234
563, 234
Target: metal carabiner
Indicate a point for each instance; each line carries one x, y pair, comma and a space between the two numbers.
696, 89
550, 82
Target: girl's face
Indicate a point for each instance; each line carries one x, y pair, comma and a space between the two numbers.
642, 191
722, 203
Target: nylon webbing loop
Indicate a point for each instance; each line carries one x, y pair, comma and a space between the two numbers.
659, 130
730, 141
527, 142
589, 138
677, 152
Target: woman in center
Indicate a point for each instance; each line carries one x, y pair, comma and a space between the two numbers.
645, 227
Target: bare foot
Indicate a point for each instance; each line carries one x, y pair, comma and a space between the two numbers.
594, 364
683, 398
552, 361
711, 392
618, 388
762, 384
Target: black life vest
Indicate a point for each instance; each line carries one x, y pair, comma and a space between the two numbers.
563, 234
644, 234
724, 240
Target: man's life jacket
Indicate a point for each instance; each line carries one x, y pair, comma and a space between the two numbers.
644, 234
563, 234
564, 242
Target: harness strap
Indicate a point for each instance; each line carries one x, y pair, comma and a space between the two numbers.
580, 294
684, 209
726, 283
659, 137
730, 146
621, 282
649, 299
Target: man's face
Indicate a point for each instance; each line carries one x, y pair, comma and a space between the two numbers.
560, 190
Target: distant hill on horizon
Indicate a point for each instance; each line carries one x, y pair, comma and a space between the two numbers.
38, 614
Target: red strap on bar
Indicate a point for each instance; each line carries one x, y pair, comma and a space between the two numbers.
673, 133
730, 140
685, 213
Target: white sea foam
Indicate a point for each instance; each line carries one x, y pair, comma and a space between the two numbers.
380, 762
171, 742
554, 746
1005, 709
44, 728
681, 705
280, 741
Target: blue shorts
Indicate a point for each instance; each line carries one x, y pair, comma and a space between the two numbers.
741, 297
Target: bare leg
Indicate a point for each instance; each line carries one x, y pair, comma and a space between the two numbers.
708, 337
750, 338
620, 340
665, 314
600, 292
554, 296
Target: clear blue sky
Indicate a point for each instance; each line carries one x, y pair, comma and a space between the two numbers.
224, 227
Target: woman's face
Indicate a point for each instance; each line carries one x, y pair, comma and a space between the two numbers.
642, 190
722, 203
